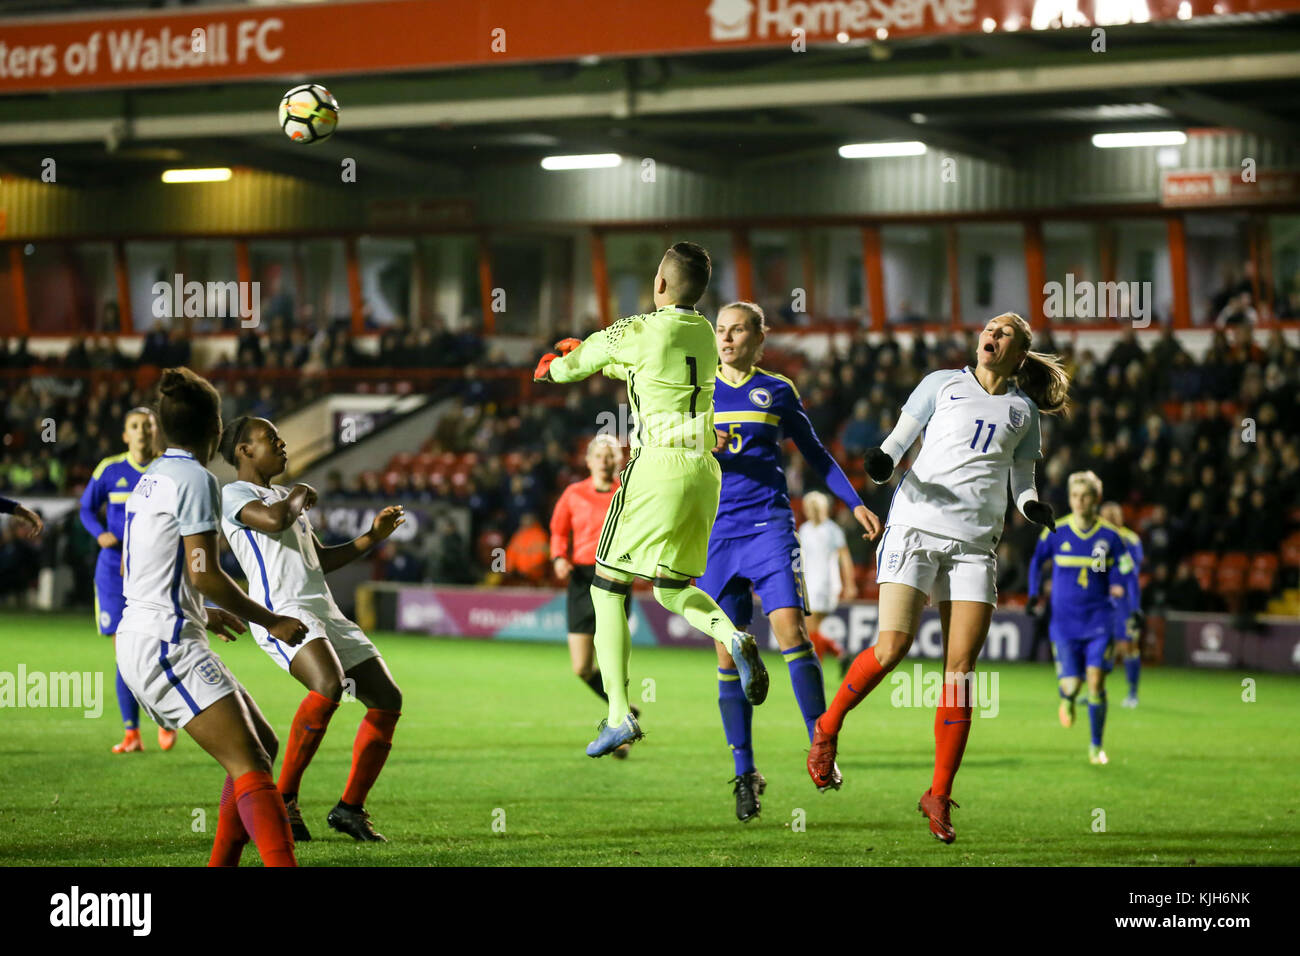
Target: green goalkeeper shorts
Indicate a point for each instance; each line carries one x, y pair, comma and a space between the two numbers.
660, 519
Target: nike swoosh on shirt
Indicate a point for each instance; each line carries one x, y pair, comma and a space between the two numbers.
956, 722
855, 690
955, 397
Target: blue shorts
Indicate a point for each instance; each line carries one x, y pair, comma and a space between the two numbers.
1074, 655
766, 562
109, 600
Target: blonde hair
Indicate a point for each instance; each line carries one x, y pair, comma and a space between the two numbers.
1086, 478
603, 440
818, 499
1041, 375
751, 309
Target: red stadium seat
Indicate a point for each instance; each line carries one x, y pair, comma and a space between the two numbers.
391, 480
1263, 573
1203, 565
1291, 551
402, 461
426, 462
1231, 576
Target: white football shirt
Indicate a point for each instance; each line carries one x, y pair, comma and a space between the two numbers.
282, 569
176, 496
957, 486
820, 545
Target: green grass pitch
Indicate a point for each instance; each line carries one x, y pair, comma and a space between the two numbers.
493, 733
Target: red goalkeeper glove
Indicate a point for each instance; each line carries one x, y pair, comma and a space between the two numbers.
543, 371
565, 346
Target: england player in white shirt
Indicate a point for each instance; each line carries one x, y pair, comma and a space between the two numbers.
981, 430
169, 564
286, 566
827, 571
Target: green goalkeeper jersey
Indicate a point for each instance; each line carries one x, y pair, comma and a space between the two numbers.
668, 359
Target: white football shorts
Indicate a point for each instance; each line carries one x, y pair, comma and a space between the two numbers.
348, 640
173, 680
944, 568
823, 597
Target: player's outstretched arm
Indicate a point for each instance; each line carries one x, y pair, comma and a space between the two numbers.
385, 523
274, 518
572, 363
799, 427
203, 566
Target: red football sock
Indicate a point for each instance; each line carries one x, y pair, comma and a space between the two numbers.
864, 674
261, 808
231, 836
305, 734
369, 751
824, 645
951, 729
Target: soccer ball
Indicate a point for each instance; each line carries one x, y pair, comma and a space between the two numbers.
309, 114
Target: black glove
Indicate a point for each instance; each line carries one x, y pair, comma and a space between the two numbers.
1133, 625
879, 465
1040, 512
1033, 608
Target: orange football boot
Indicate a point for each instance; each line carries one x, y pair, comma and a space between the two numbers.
130, 744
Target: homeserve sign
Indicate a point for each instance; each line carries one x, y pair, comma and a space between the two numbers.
731, 20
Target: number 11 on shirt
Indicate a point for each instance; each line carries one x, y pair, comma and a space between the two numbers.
979, 426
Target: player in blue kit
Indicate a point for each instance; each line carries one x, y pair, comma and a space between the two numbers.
110, 485
753, 548
1090, 561
1129, 618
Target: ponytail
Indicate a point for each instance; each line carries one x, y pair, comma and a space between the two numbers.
1041, 375
189, 408
1043, 378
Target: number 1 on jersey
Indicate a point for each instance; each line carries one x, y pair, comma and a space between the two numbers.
979, 426
695, 379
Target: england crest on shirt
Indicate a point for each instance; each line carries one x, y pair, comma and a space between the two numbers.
1017, 417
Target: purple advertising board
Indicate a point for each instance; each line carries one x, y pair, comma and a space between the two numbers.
1216, 641
539, 615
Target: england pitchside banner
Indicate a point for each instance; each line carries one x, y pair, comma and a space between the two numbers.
325, 40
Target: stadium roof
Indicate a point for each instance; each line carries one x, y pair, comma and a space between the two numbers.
978, 94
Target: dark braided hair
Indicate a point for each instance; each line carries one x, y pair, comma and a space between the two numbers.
236, 433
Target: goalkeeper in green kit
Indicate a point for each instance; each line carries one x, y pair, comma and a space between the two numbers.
659, 521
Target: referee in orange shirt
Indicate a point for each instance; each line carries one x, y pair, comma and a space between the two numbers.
575, 532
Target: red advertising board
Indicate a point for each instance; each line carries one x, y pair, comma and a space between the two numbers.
1229, 187
380, 36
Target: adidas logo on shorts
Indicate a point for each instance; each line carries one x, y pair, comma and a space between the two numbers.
625, 558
